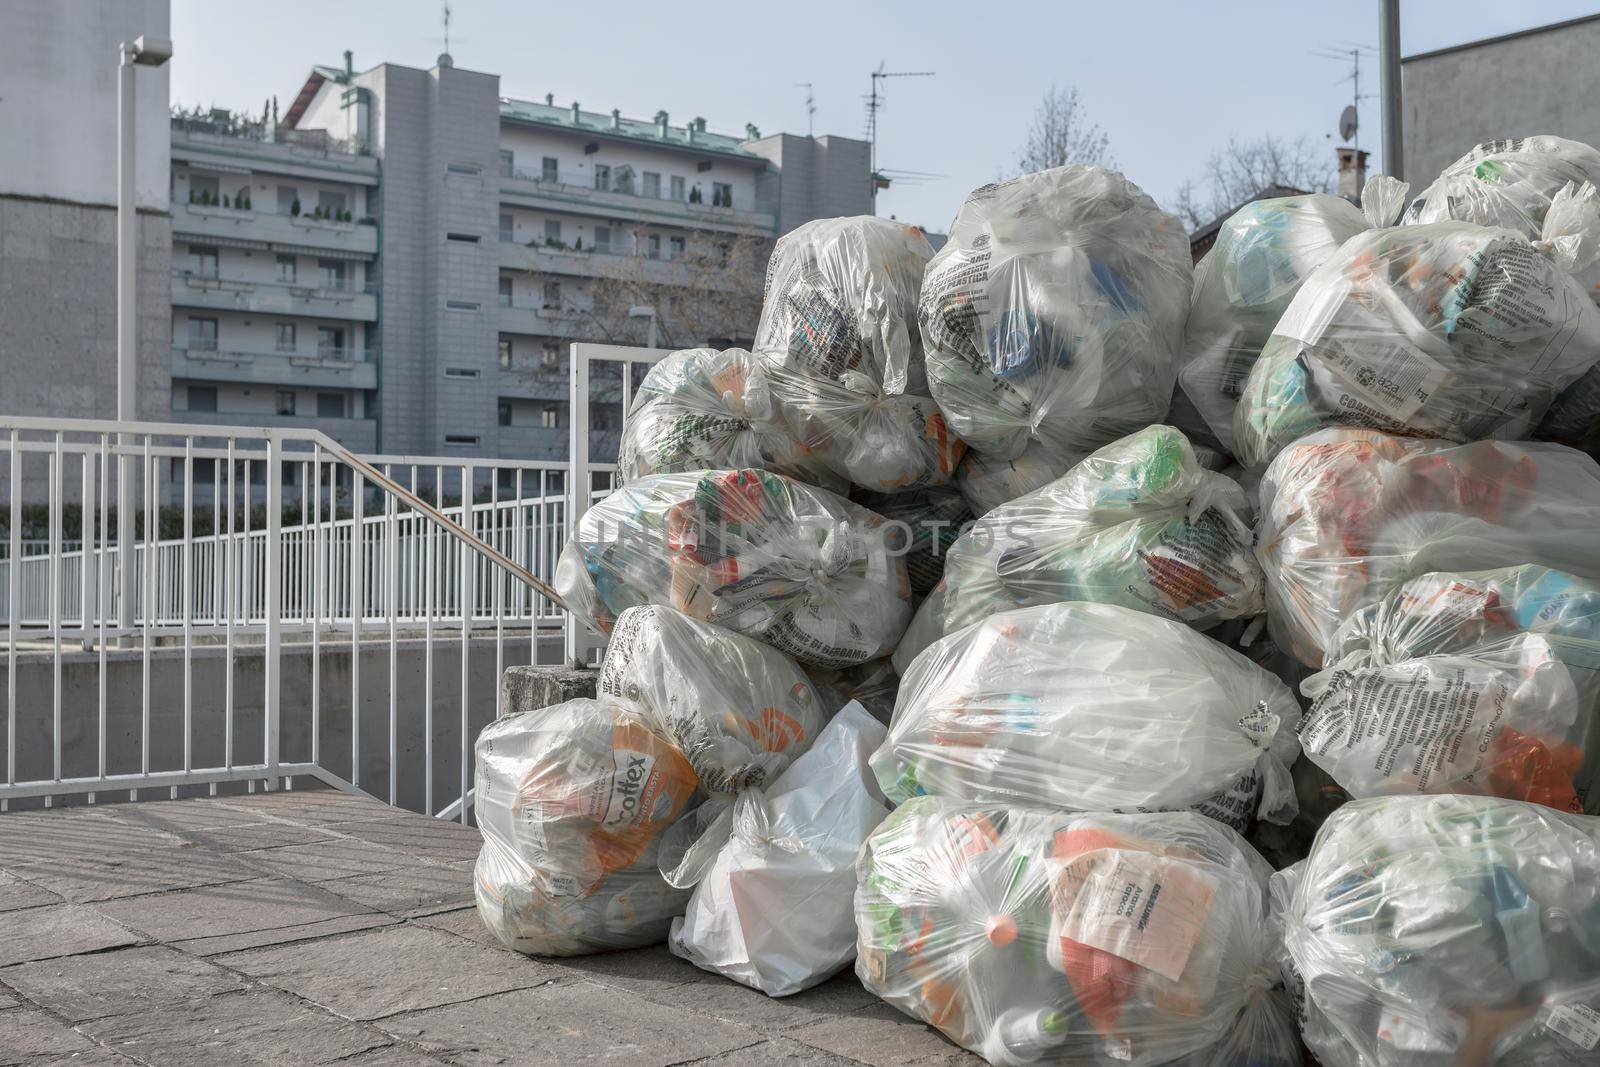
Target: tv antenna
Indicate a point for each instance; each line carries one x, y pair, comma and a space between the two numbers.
875, 102
811, 105
1349, 118
446, 27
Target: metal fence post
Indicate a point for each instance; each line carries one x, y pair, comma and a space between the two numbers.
274, 604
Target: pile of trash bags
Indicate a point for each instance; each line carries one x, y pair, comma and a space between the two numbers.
1346, 515
1438, 931
1007, 615
798, 567
1054, 313
1485, 683
1030, 935
1139, 523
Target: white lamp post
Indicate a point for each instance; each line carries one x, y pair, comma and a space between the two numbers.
144, 52
646, 313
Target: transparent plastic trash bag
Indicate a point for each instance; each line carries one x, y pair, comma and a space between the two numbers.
1447, 931
772, 898
927, 522
1347, 515
795, 566
1448, 330
572, 801
1092, 707
740, 710
705, 409
873, 685
1139, 523
839, 337
1485, 683
1055, 312
1033, 936
1263, 253
989, 481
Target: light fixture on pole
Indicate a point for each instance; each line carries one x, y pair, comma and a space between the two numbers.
143, 52
646, 313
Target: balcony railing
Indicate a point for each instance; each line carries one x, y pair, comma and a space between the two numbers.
632, 199
317, 143
205, 348
327, 288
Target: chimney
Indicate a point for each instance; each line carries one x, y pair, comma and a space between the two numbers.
699, 125
661, 125
576, 115
1352, 173
549, 99
751, 133
616, 118
349, 64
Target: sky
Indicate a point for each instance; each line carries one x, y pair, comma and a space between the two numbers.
1169, 82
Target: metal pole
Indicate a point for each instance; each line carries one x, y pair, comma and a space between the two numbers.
1389, 51
127, 327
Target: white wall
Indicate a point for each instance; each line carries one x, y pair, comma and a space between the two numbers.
58, 100
530, 146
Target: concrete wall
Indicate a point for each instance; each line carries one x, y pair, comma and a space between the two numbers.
813, 178
80, 681
58, 85
58, 300
1541, 82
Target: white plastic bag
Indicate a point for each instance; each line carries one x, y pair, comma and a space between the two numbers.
1092, 707
1346, 515
1139, 523
795, 566
1484, 683
572, 801
1243, 285
740, 710
1033, 936
773, 909
1444, 931
1448, 330
1055, 312
704, 409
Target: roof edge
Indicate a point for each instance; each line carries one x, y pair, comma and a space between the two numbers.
1529, 32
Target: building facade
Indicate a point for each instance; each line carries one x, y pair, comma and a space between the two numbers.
1541, 80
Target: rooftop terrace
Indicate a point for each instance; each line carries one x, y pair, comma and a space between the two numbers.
315, 927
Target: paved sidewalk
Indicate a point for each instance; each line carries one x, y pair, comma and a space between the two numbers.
316, 927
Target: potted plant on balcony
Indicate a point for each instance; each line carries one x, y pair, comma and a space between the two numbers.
294, 208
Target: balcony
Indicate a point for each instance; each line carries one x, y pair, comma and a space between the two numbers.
287, 232
352, 301
563, 323
343, 368
360, 435
591, 263
307, 153
527, 190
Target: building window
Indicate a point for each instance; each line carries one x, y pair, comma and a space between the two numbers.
652, 185
550, 416
602, 239
675, 183
602, 177
288, 269
462, 238
552, 231
625, 180
284, 336
285, 402
504, 412
721, 194
330, 405
549, 169
508, 228
330, 342
550, 355
203, 335
505, 353
462, 305
463, 168
653, 243
464, 439
202, 397
332, 204
508, 163
505, 292
330, 273
552, 293
467, 373
677, 247
204, 260
203, 189
288, 199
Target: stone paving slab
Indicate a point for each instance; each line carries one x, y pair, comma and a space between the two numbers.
315, 927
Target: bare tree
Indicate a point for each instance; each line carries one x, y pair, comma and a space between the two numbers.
1245, 169
1062, 133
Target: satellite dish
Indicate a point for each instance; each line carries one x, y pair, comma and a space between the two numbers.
1347, 122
